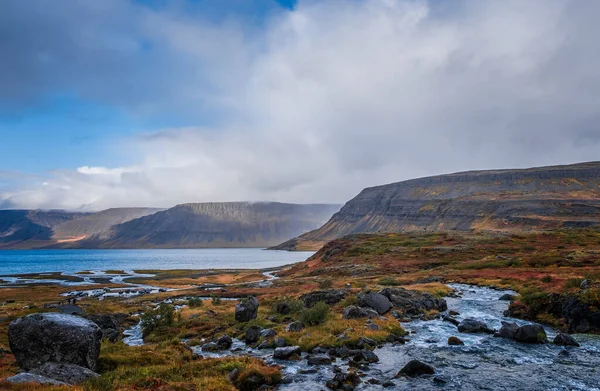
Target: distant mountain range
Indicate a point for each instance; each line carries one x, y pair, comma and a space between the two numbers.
218, 224
495, 200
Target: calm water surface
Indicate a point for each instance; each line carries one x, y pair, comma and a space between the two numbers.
72, 261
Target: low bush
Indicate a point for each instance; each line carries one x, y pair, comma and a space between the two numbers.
163, 316
316, 315
195, 302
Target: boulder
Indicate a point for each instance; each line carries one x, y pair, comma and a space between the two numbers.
565, 340
319, 359
286, 353
376, 301
246, 310
472, 325
448, 318
27, 377
354, 312
283, 308
295, 327
252, 334
413, 302
40, 338
416, 368
455, 341
210, 347
508, 297
362, 342
344, 381
279, 342
364, 356
66, 373
268, 333
507, 330
531, 333
330, 297
224, 342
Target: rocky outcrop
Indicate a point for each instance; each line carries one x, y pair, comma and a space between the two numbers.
376, 301
413, 302
40, 338
536, 198
416, 368
330, 297
246, 310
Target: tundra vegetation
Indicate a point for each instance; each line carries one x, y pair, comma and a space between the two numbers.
543, 268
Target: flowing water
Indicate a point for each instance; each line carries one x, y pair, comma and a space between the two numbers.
483, 363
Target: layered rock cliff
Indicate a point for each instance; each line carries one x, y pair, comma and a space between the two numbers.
523, 199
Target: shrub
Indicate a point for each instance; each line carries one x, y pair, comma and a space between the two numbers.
216, 300
316, 315
195, 302
325, 284
389, 281
163, 316
546, 279
573, 283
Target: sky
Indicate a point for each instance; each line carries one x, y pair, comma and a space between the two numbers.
120, 103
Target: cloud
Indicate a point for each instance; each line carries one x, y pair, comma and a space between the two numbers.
333, 96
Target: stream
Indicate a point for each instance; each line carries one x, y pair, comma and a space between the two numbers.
483, 363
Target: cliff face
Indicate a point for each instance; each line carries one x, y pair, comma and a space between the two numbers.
528, 199
235, 224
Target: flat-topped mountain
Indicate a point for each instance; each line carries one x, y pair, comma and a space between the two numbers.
227, 224
495, 200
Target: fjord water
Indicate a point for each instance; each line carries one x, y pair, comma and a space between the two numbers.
72, 261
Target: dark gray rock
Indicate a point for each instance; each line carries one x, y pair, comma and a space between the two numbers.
416, 368
565, 340
413, 302
279, 342
210, 347
66, 373
319, 359
376, 301
283, 308
472, 325
40, 338
330, 297
507, 330
531, 333
252, 334
246, 310
364, 356
354, 312
448, 318
362, 342
268, 333
508, 297
27, 377
294, 327
224, 342
286, 353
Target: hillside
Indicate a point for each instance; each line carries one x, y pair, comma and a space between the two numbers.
234, 224
494, 200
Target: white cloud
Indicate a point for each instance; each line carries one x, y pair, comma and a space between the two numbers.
339, 95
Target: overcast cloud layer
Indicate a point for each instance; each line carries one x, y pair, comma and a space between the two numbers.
316, 103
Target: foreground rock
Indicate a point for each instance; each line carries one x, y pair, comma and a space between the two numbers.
413, 302
246, 310
27, 377
287, 352
66, 373
455, 341
40, 338
565, 340
376, 301
330, 297
507, 330
531, 333
416, 368
472, 325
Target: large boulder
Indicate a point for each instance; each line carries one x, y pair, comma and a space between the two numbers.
110, 324
40, 338
330, 297
376, 301
287, 352
565, 340
416, 368
27, 377
252, 334
246, 310
66, 373
507, 330
224, 342
354, 312
413, 302
472, 325
531, 333
295, 327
